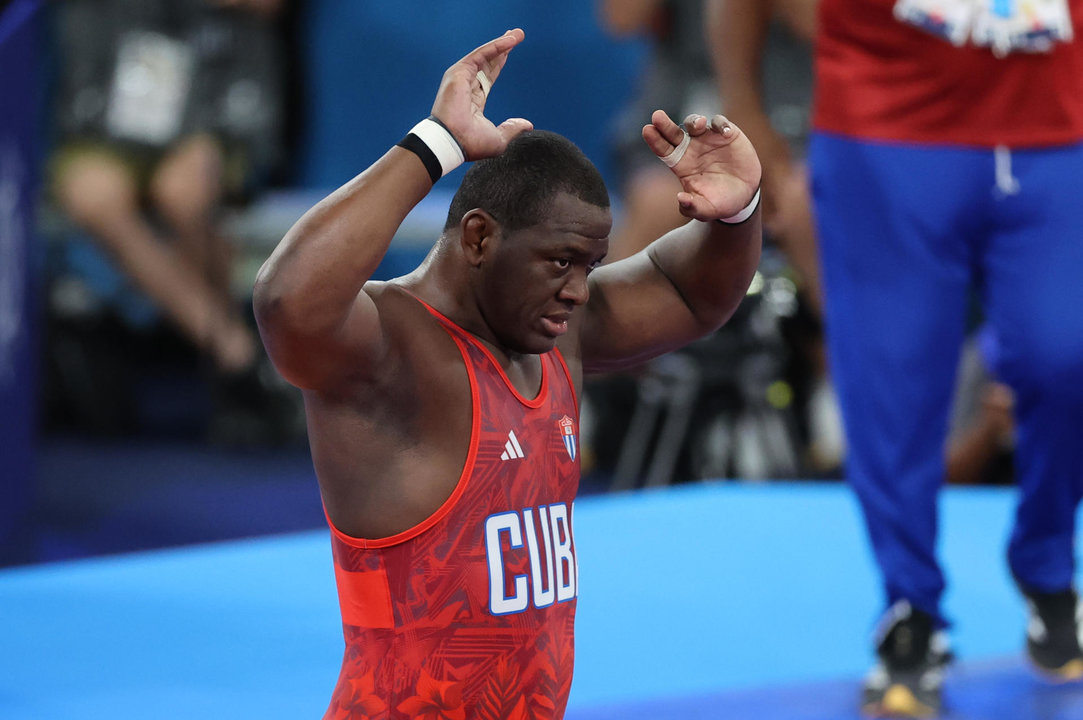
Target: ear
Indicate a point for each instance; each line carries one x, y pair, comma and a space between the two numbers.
479, 232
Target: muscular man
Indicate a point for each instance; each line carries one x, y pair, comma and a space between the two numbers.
442, 404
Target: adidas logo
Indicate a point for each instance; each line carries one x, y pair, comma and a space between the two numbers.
512, 450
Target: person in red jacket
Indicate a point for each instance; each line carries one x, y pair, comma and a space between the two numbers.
947, 142
442, 406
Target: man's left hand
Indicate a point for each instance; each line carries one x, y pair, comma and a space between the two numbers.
719, 169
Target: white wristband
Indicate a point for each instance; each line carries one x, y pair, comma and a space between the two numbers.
442, 143
744, 214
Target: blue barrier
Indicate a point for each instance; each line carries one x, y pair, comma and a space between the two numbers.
18, 367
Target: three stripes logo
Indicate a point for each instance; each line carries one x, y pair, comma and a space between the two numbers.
512, 449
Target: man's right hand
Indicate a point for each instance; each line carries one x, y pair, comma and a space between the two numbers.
460, 101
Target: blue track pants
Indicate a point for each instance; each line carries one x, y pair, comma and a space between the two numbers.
908, 234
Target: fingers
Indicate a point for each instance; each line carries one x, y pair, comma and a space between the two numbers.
485, 82
489, 58
480, 67
464, 89
662, 135
694, 206
721, 125
512, 127
666, 137
495, 47
696, 125
702, 153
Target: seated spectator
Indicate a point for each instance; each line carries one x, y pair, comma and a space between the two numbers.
165, 111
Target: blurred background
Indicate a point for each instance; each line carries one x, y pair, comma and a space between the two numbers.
152, 155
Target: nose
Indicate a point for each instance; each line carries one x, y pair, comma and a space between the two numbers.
575, 289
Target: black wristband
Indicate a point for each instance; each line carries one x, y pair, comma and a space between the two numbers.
418, 147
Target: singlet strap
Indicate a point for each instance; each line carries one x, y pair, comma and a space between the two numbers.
459, 333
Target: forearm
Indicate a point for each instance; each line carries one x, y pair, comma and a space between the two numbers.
683, 286
710, 265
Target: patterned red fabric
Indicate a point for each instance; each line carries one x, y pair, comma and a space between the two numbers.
471, 613
880, 79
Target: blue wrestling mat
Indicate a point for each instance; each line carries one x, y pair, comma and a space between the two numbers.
721, 600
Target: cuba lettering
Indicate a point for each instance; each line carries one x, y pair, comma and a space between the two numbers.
546, 531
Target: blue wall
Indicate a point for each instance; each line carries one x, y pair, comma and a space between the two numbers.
19, 42
372, 70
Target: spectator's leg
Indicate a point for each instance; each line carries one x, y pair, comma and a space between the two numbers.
186, 189
99, 193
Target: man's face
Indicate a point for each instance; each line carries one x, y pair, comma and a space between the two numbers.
535, 278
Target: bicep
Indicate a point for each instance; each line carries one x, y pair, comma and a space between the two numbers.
634, 313
321, 357
681, 287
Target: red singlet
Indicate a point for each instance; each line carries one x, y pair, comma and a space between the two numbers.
471, 613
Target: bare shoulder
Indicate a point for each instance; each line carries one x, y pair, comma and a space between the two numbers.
388, 450
418, 357
416, 339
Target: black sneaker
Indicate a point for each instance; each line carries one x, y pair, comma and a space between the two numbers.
906, 680
1055, 633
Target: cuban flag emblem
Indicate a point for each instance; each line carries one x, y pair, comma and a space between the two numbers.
567, 434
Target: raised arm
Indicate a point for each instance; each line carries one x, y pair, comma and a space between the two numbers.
319, 326
689, 282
